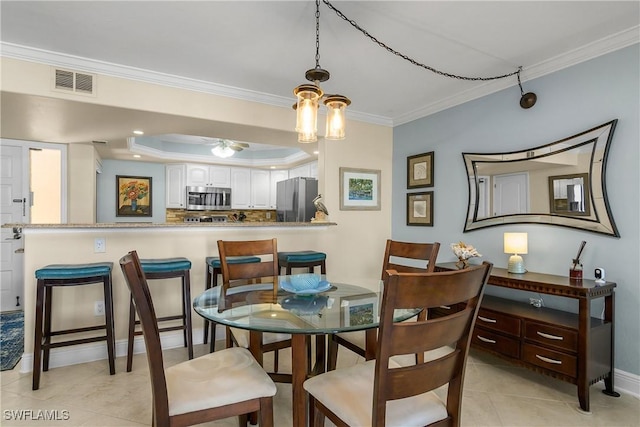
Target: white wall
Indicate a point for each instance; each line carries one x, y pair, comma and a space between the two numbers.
569, 101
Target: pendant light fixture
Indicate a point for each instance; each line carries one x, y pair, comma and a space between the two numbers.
308, 100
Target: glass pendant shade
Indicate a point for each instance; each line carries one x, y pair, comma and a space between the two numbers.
308, 96
336, 119
222, 151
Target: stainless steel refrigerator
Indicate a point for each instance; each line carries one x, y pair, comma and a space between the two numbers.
294, 199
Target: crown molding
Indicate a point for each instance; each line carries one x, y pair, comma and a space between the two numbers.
77, 63
584, 53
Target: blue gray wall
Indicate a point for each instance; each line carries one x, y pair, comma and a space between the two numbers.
106, 190
569, 101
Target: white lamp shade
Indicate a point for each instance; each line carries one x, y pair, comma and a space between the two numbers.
515, 243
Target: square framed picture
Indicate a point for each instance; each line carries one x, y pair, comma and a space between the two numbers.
420, 170
420, 208
359, 189
359, 309
133, 196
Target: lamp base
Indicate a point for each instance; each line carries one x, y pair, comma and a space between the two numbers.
516, 265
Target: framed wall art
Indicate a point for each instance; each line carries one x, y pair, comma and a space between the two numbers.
359, 309
133, 196
420, 208
359, 189
420, 170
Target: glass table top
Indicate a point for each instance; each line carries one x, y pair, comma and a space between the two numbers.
268, 308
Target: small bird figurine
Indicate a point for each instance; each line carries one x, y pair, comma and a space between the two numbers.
320, 207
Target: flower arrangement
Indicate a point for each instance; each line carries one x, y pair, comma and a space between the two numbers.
133, 190
464, 252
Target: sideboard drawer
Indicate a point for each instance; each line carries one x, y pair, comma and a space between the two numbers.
551, 336
550, 359
498, 322
495, 342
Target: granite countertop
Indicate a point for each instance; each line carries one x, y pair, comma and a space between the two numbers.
169, 225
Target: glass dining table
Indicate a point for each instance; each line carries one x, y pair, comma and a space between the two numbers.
267, 307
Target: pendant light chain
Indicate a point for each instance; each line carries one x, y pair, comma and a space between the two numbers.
403, 56
317, 33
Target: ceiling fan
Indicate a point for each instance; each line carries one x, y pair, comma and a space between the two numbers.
227, 148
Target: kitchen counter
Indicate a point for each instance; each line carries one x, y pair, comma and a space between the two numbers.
116, 225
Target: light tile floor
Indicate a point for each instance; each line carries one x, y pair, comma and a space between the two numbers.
495, 394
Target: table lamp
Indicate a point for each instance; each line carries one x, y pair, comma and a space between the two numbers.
515, 243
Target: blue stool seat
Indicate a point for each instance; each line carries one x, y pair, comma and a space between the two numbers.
165, 265
74, 271
302, 259
301, 256
213, 269
165, 268
54, 275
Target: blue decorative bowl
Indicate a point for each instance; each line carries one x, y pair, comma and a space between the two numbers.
304, 282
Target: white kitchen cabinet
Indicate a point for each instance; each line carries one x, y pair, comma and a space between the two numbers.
308, 170
240, 188
260, 189
208, 176
175, 186
275, 176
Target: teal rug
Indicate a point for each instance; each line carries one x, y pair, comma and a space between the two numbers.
11, 339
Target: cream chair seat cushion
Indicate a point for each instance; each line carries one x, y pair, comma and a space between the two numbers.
348, 393
216, 379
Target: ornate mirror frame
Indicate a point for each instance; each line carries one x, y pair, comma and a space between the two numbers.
578, 162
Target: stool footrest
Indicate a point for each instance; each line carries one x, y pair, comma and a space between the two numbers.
77, 330
74, 342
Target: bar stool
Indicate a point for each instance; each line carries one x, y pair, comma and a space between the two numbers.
213, 270
301, 259
166, 268
70, 275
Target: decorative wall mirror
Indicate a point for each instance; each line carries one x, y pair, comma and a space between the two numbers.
561, 183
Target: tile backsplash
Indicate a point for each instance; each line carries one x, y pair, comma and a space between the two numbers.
178, 215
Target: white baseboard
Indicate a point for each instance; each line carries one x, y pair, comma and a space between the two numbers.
73, 355
624, 382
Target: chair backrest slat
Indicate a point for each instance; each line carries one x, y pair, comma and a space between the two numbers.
417, 290
267, 250
137, 284
396, 251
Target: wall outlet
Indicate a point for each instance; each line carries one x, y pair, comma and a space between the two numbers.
99, 245
98, 308
268, 215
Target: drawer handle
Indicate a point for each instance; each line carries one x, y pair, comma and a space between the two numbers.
546, 359
483, 339
445, 307
486, 319
551, 337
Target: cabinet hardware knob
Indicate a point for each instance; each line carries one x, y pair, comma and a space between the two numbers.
548, 336
546, 359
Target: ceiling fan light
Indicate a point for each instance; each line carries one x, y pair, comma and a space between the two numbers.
336, 118
222, 151
307, 96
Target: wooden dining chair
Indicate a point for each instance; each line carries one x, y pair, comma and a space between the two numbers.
234, 275
404, 257
381, 392
218, 385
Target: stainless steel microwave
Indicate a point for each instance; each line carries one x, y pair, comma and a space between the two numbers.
208, 199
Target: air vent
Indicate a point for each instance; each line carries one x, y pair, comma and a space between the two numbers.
74, 82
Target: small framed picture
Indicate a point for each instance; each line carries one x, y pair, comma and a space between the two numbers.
420, 170
133, 195
359, 189
420, 208
359, 309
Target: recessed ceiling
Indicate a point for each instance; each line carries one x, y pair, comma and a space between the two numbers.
260, 50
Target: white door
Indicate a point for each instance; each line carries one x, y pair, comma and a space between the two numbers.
510, 194
13, 209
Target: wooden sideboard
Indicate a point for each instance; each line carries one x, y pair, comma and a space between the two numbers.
577, 348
